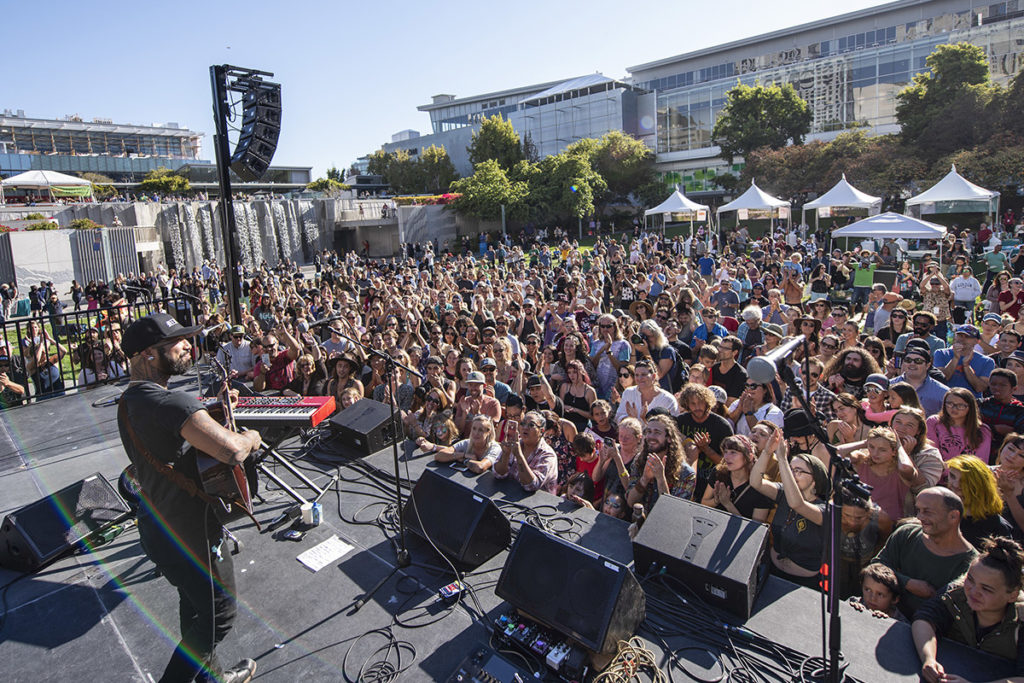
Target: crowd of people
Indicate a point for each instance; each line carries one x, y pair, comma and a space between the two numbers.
618, 374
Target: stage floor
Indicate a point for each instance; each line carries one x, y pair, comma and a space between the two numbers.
106, 614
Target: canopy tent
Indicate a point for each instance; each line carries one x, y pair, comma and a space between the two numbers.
56, 184
678, 203
755, 199
843, 194
955, 188
891, 225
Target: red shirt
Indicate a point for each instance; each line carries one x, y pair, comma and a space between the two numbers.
280, 373
1006, 297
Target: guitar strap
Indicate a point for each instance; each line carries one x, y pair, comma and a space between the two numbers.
177, 478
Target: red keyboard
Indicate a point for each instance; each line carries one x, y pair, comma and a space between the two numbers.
304, 412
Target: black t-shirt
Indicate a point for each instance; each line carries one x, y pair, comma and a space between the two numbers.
732, 381
745, 498
718, 428
558, 408
157, 416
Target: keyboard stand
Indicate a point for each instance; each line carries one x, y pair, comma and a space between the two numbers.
271, 452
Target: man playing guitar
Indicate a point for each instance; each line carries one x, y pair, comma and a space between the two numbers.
178, 526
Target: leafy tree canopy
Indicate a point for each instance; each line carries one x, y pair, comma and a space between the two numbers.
497, 139
484, 192
165, 181
436, 170
760, 116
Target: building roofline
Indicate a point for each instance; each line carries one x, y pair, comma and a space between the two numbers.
877, 9
487, 96
91, 126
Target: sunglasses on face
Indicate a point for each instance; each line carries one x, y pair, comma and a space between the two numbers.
915, 361
432, 399
830, 346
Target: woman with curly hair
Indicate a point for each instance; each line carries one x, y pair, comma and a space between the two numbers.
972, 480
731, 490
958, 428
661, 467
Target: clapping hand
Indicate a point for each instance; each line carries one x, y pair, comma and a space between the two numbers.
702, 439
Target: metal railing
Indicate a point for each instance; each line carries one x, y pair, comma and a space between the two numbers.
51, 355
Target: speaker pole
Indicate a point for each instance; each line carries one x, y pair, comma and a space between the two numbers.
391, 370
221, 109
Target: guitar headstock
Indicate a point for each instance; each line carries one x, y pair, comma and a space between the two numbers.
222, 372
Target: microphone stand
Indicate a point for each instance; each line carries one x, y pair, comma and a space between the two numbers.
845, 478
401, 549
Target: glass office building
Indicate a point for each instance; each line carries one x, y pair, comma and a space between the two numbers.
848, 68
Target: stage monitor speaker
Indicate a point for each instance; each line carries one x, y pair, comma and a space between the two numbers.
719, 555
579, 593
42, 531
366, 427
466, 526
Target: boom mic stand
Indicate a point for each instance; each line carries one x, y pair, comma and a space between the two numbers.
401, 549
845, 479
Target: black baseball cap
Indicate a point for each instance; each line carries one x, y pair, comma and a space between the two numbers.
153, 329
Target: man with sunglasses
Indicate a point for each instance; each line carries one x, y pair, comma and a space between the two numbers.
236, 355
924, 322
917, 361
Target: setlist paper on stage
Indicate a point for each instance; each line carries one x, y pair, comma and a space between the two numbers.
323, 554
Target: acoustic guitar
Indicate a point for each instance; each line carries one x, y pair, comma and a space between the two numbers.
227, 483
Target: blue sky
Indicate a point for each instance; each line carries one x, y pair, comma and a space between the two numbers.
351, 73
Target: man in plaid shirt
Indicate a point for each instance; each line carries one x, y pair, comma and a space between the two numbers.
821, 398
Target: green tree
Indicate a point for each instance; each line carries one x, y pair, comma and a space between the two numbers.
484, 192
760, 116
102, 186
1012, 104
378, 163
562, 186
328, 186
165, 181
996, 165
400, 171
951, 107
653, 192
436, 170
497, 140
334, 173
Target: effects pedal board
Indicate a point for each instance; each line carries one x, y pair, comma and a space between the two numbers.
541, 644
485, 665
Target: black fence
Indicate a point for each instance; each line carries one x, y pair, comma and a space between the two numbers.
50, 355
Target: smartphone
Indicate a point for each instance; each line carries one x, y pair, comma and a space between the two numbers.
512, 430
897, 361
610, 442
459, 466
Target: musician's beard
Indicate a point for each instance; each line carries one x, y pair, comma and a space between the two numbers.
171, 367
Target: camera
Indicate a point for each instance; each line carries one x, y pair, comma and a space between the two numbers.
637, 339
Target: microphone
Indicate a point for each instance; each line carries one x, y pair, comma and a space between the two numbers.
208, 330
762, 369
324, 321
178, 292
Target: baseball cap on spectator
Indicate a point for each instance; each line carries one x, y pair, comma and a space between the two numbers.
918, 351
619, 313
969, 330
757, 285
719, 393
487, 363
237, 329
534, 381
475, 377
919, 344
1017, 355
993, 317
153, 329
878, 380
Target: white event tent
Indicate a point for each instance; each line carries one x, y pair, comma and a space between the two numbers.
678, 203
844, 195
756, 199
891, 225
56, 184
955, 188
